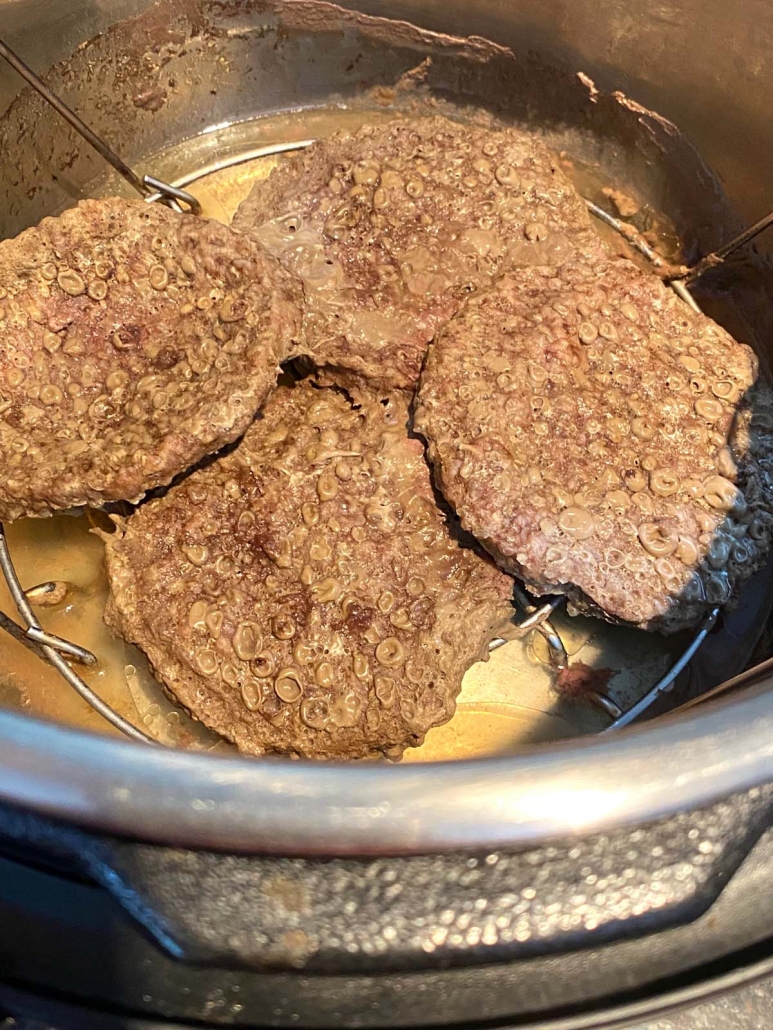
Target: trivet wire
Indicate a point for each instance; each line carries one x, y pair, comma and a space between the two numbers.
52, 648
537, 617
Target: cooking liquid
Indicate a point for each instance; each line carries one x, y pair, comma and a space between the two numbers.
505, 704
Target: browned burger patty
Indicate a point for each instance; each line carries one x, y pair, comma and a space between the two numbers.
134, 342
304, 594
390, 226
602, 440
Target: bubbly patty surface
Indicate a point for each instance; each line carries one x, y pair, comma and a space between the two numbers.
135, 342
391, 226
603, 440
304, 594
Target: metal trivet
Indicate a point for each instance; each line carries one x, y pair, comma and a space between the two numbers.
537, 617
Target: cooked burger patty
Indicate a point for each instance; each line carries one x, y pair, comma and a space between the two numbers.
304, 593
603, 440
390, 226
134, 342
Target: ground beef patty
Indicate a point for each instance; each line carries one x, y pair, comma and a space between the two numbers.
304, 594
602, 440
389, 227
134, 342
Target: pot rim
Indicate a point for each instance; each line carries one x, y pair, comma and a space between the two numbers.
280, 806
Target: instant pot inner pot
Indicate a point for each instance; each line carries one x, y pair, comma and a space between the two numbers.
209, 93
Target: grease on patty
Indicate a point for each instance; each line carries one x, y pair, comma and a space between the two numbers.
304, 593
135, 342
604, 441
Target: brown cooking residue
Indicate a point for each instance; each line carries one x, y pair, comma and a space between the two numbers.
579, 680
626, 206
151, 99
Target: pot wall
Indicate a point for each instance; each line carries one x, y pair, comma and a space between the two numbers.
702, 63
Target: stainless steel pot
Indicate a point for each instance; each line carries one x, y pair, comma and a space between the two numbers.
701, 66
654, 56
